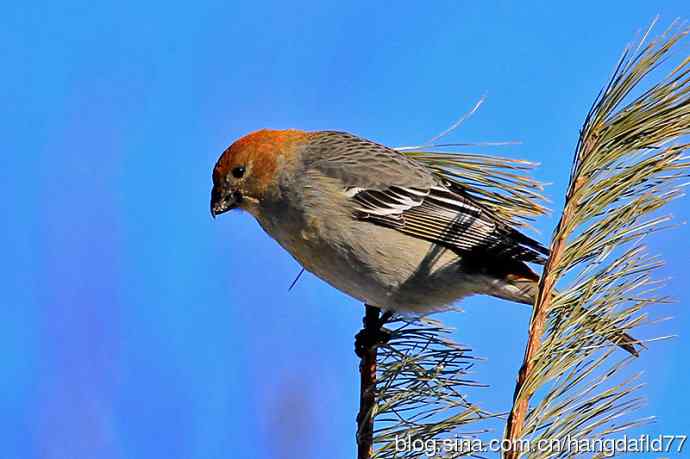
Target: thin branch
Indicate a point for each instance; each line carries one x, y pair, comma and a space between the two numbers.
628, 162
367, 388
542, 306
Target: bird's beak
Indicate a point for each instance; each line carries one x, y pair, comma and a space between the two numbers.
222, 202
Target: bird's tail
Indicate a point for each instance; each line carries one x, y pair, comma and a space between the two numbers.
524, 289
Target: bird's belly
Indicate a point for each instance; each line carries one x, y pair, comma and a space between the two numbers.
381, 266
344, 270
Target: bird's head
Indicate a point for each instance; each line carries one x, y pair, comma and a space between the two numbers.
247, 170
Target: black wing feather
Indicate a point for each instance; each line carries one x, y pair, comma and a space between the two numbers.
405, 195
448, 218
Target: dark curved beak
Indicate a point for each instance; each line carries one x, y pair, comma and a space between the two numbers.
222, 202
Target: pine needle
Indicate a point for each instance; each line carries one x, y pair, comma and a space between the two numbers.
422, 376
629, 162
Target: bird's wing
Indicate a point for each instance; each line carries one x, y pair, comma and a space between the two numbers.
392, 190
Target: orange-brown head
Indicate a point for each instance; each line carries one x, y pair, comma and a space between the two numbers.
247, 169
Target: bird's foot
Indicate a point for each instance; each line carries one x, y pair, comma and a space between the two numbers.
366, 339
372, 335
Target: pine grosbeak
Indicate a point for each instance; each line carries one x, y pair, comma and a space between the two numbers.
374, 223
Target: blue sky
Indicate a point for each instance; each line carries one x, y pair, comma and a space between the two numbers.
134, 326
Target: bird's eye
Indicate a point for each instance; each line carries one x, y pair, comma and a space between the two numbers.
238, 172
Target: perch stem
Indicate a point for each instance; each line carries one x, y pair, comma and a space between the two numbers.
367, 389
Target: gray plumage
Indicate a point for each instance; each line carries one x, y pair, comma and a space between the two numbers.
376, 224
389, 232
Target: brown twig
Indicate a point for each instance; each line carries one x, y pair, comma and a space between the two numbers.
620, 169
542, 305
367, 388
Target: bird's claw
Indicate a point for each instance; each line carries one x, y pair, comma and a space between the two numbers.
367, 339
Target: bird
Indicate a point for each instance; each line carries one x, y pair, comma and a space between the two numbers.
376, 224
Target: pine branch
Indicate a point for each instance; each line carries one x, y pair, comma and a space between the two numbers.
422, 378
625, 169
367, 387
